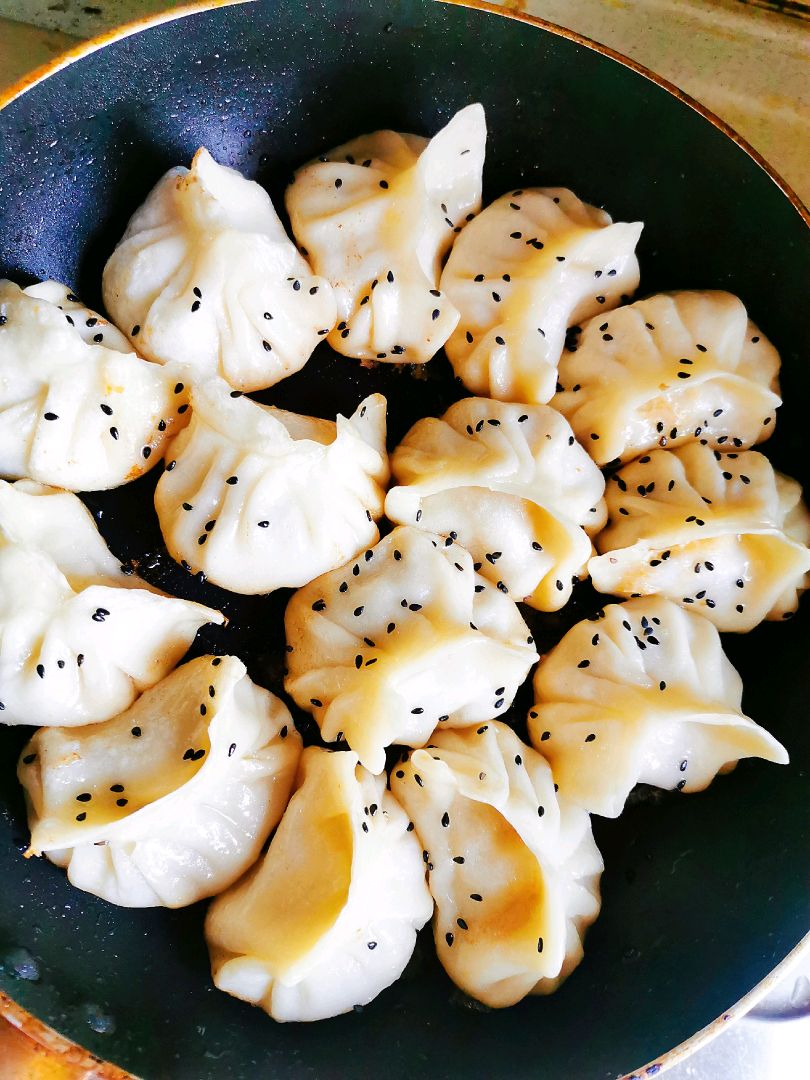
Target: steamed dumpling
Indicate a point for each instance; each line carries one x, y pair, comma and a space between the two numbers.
170, 801
328, 918
259, 498
376, 217
513, 869
532, 264
667, 370
724, 534
642, 693
510, 483
79, 637
206, 276
78, 408
406, 638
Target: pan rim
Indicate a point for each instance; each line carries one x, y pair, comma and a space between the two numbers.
10, 1009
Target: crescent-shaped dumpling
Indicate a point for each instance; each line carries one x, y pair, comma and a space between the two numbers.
667, 370
376, 217
513, 868
78, 408
170, 801
80, 635
206, 276
512, 485
532, 264
641, 693
259, 498
723, 534
382, 650
328, 918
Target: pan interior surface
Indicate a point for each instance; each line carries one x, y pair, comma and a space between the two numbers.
702, 894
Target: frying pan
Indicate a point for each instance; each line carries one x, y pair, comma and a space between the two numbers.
703, 894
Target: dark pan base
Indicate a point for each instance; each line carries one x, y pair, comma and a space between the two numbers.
702, 894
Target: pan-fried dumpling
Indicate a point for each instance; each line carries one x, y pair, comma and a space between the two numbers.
259, 498
406, 638
532, 264
328, 918
206, 276
78, 408
667, 370
170, 801
725, 534
79, 637
513, 869
641, 693
376, 217
510, 483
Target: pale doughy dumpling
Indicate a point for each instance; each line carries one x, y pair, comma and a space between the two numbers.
170, 801
78, 408
376, 217
206, 276
641, 693
724, 534
511, 484
532, 264
79, 637
667, 370
328, 918
407, 637
513, 869
259, 498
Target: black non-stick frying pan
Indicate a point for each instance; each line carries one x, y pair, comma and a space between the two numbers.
703, 894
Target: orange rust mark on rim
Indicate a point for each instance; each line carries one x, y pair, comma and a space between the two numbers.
54, 1043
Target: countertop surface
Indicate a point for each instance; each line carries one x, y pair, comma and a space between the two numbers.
747, 63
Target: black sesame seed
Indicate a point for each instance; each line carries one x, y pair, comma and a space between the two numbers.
82, 816
136, 732
319, 605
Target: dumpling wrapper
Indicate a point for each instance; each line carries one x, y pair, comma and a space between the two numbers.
206, 276
667, 370
724, 534
80, 638
512, 486
376, 217
170, 801
513, 869
383, 650
259, 498
328, 918
641, 694
78, 408
532, 264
